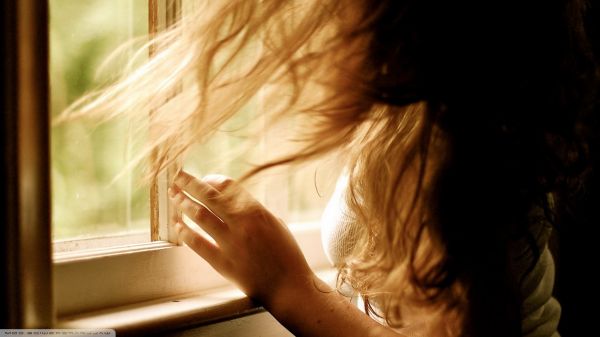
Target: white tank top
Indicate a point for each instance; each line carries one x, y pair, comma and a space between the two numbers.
540, 311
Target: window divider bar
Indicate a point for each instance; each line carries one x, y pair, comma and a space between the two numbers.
161, 15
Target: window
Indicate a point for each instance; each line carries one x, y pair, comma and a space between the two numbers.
130, 257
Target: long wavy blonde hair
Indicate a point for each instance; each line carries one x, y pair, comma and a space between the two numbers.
319, 62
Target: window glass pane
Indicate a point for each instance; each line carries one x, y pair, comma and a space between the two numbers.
86, 157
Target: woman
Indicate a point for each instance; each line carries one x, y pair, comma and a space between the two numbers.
463, 125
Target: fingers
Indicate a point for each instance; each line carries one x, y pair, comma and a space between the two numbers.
220, 194
218, 181
206, 249
199, 214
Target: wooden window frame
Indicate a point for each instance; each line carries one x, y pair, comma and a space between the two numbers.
27, 268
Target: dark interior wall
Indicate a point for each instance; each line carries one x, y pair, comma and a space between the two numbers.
8, 168
576, 243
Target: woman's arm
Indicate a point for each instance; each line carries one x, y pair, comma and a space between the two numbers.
255, 250
318, 310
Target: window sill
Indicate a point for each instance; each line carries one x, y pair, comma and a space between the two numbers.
177, 313
166, 314
110, 278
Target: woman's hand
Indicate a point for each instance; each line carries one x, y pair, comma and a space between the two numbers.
253, 248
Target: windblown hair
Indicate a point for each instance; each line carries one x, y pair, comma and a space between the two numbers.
457, 118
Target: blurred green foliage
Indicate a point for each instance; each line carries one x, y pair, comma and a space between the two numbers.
87, 156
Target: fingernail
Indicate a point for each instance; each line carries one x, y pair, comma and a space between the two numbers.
181, 178
171, 192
